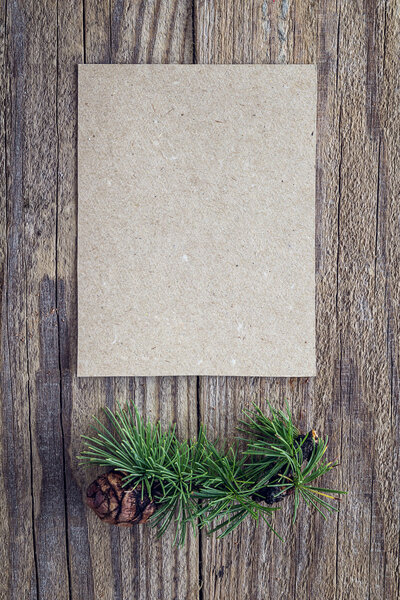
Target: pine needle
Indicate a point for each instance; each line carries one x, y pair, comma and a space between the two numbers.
196, 484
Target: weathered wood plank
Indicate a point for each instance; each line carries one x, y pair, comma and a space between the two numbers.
369, 353
385, 518
5, 393
118, 563
249, 32
39, 186
355, 394
32, 471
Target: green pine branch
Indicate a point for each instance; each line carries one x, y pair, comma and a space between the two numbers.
197, 484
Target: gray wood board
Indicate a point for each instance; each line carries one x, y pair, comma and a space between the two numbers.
52, 547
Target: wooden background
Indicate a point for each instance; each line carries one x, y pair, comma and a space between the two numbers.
51, 547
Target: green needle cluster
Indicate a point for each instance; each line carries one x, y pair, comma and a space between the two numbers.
199, 484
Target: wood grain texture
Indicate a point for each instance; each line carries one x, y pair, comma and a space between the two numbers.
51, 546
249, 32
121, 563
354, 398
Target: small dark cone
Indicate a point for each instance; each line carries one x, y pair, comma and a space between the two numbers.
270, 495
310, 441
118, 505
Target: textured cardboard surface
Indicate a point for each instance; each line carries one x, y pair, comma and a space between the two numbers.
196, 220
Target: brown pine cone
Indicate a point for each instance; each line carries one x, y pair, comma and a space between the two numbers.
118, 505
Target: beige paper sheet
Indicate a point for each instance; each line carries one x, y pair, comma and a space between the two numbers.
196, 220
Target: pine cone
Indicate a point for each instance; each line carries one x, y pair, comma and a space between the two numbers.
270, 495
310, 441
118, 505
